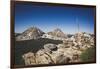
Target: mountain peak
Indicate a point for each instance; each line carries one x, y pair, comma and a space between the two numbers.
30, 33
58, 33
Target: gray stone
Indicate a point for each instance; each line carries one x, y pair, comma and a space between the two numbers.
29, 58
50, 47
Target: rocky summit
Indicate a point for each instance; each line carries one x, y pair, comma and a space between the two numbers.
30, 33
56, 34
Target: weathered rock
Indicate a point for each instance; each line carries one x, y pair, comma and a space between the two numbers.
41, 52
44, 59
57, 57
29, 58
50, 47
68, 43
61, 46
61, 59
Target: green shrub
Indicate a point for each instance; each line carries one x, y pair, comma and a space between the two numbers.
88, 55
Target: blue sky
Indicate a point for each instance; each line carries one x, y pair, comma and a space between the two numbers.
47, 18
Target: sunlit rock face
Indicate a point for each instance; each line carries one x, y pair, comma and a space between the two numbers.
30, 33
56, 34
29, 58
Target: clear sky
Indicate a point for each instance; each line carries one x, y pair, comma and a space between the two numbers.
47, 18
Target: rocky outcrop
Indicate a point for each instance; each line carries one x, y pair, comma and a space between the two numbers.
62, 59
67, 52
31, 33
44, 57
29, 58
50, 47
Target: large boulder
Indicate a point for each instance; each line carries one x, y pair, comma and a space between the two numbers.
50, 47
44, 57
29, 58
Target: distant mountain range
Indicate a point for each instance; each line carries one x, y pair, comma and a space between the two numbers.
35, 33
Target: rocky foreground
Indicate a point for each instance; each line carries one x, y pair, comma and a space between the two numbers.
67, 52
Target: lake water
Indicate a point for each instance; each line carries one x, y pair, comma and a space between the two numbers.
22, 47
